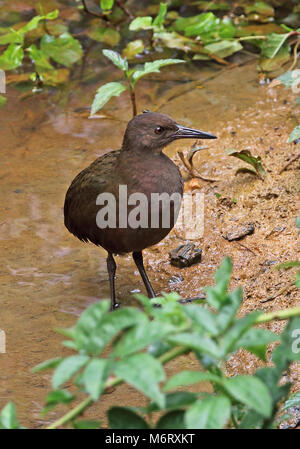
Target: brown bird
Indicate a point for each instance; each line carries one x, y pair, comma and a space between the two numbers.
115, 202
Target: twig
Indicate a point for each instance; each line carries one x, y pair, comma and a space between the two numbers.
191, 169
124, 8
295, 54
282, 290
290, 162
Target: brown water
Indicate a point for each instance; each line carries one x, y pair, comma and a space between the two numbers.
48, 277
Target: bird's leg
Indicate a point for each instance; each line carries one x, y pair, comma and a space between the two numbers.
111, 268
138, 259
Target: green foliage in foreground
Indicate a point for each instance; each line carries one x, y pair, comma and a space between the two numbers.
141, 342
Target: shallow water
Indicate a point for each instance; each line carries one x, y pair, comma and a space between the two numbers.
48, 277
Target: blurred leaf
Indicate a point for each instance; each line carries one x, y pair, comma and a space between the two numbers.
174, 401
55, 77
125, 418
272, 45
142, 335
195, 341
94, 377
106, 4
65, 49
40, 59
202, 318
153, 67
286, 265
133, 48
143, 372
246, 156
3, 101
158, 22
275, 63
84, 424
190, 377
250, 391
107, 35
12, 57
59, 396
256, 341
224, 48
67, 368
48, 364
212, 5
295, 134
171, 420
141, 23
8, 417
230, 340
116, 59
293, 401
226, 29
210, 413
105, 93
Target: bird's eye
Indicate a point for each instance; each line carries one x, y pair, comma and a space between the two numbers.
158, 130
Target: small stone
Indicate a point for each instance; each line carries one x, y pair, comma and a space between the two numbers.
185, 255
239, 232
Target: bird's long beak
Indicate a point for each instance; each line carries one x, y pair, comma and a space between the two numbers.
190, 133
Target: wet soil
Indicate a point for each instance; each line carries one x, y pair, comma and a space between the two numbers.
48, 277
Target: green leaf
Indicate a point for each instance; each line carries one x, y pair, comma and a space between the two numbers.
209, 413
223, 48
133, 48
202, 318
48, 364
273, 44
295, 134
65, 49
229, 308
197, 342
40, 59
125, 418
12, 57
141, 23
190, 377
107, 35
84, 424
116, 59
3, 101
293, 401
256, 341
246, 156
200, 25
105, 93
250, 391
142, 335
106, 5
59, 396
67, 368
143, 372
11, 38
231, 338
94, 377
158, 22
174, 401
153, 67
171, 420
8, 417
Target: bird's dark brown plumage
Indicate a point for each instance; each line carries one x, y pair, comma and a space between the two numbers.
142, 167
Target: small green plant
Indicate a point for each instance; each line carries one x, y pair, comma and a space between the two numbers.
290, 80
142, 342
132, 75
62, 49
246, 156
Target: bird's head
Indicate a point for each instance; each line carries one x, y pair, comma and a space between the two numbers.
153, 131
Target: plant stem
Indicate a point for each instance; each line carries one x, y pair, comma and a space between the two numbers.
165, 358
132, 98
246, 38
278, 315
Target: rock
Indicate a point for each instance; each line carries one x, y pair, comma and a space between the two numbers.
185, 255
239, 232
